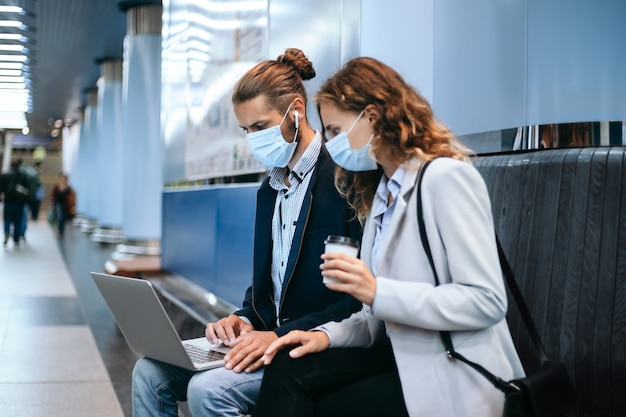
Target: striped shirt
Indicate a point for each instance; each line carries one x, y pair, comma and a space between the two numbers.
287, 210
383, 212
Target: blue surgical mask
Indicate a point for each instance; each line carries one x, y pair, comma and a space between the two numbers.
269, 146
351, 159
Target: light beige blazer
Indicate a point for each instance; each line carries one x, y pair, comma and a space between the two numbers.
470, 302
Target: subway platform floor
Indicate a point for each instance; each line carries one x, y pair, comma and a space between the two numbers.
61, 353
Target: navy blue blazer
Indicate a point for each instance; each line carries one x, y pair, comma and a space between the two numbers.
306, 302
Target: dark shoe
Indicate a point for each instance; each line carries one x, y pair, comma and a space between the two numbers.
6, 240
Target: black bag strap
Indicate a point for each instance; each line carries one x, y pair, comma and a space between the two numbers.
515, 292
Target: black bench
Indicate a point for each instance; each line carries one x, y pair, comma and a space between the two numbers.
561, 217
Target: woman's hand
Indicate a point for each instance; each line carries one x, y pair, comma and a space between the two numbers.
350, 275
310, 342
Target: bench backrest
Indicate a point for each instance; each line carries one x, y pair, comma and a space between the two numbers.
208, 236
561, 217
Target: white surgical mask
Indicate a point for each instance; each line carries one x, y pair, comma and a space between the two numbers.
269, 146
351, 159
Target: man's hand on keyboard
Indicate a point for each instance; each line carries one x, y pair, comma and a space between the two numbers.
227, 330
247, 351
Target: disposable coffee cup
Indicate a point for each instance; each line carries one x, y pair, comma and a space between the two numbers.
340, 244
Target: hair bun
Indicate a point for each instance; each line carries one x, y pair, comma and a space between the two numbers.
296, 59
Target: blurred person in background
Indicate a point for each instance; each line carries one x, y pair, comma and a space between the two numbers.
14, 192
35, 193
63, 203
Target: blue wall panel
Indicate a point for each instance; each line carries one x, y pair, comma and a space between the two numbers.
479, 64
576, 61
208, 237
488, 65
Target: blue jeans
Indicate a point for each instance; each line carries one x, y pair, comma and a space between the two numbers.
60, 217
13, 217
24, 220
157, 388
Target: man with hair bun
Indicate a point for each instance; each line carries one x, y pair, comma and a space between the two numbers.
297, 208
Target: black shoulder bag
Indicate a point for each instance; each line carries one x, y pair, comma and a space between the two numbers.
549, 391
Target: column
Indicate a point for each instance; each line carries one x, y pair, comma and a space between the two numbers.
110, 152
79, 168
70, 147
141, 102
86, 195
6, 155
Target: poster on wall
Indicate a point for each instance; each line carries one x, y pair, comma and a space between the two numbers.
215, 43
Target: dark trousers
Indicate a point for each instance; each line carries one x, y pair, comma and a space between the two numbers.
335, 382
24, 221
34, 209
61, 217
13, 217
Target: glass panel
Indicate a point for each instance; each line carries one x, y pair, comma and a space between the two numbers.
554, 135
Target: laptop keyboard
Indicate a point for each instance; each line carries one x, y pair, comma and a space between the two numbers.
200, 355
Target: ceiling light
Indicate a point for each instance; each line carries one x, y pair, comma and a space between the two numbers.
13, 120
10, 73
5, 79
11, 36
11, 23
4, 107
10, 114
16, 48
12, 86
13, 58
15, 97
11, 65
10, 9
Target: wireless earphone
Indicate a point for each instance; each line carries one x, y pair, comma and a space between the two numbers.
295, 115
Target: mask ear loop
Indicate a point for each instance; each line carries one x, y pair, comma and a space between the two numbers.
355, 122
285, 116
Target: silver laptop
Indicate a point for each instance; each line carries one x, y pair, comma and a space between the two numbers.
147, 327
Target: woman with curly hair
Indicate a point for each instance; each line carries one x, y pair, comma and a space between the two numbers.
380, 128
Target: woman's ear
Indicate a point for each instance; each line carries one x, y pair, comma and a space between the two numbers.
372, 114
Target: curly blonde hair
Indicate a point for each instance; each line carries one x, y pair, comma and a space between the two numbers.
406, 127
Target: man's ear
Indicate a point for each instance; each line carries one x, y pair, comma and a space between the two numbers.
298, 111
